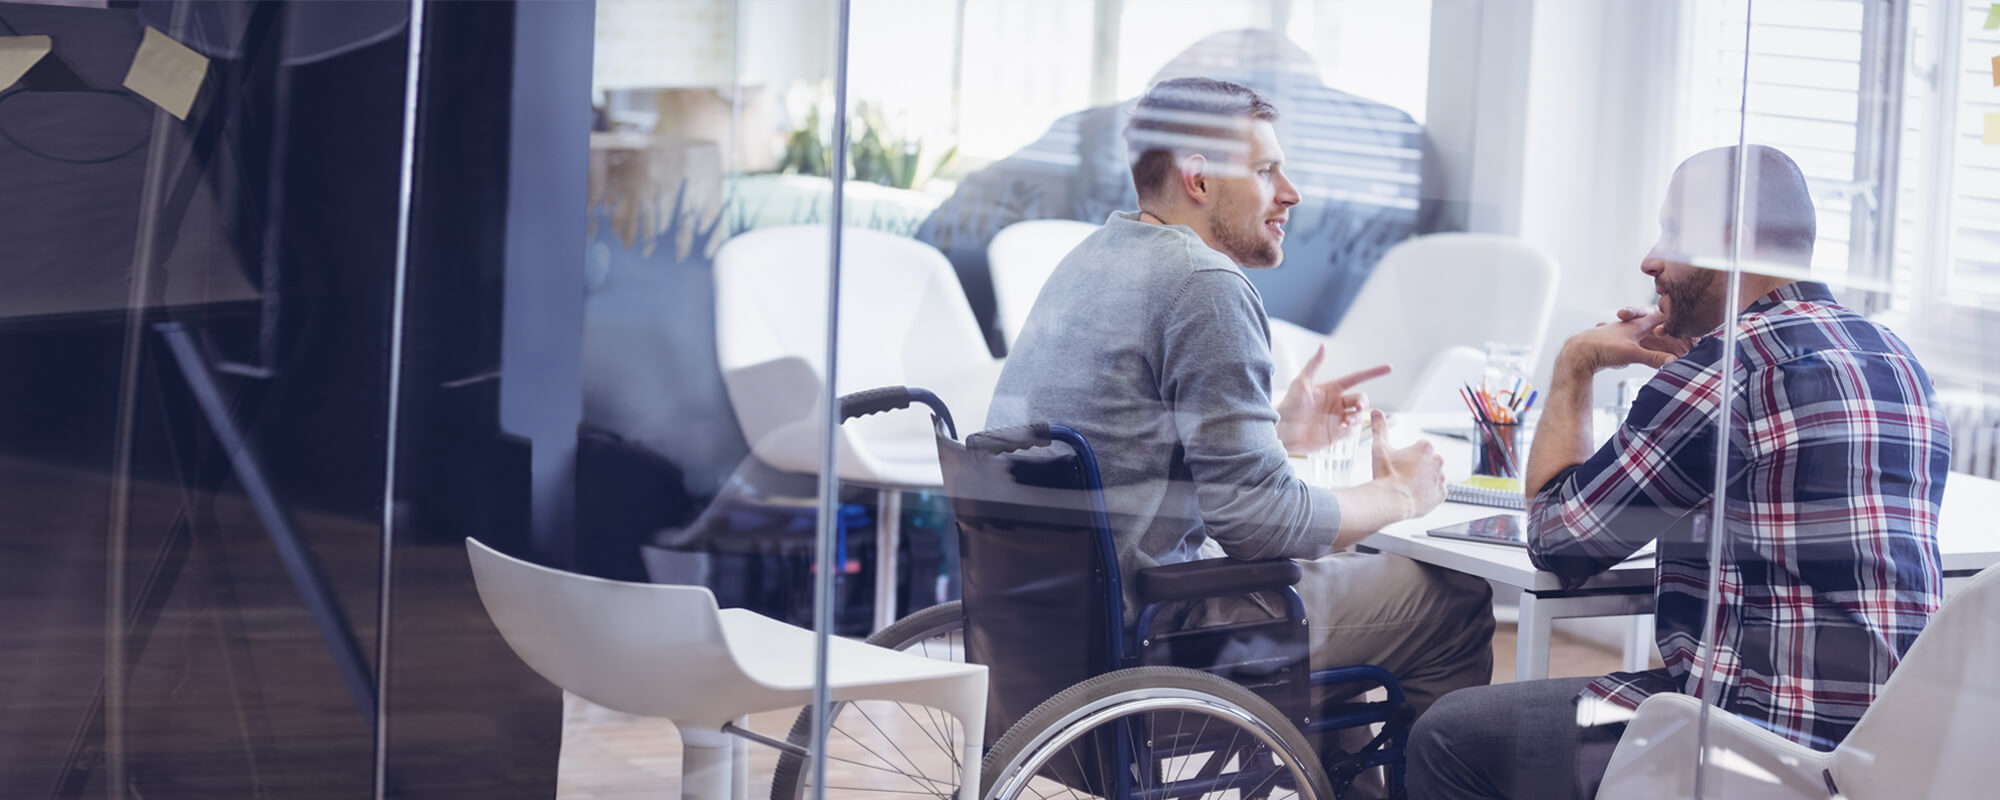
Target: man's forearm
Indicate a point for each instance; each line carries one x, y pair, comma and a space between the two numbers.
1364, 509
1562, 438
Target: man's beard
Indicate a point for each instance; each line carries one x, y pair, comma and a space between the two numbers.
1245, 245
1690, 310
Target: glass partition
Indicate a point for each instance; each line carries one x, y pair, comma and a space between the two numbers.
1317, 398
1852, 523
1841, 509
201, 219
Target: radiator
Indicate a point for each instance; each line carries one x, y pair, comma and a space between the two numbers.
1974, 417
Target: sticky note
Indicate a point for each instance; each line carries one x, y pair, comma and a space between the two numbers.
1992, 135
18, 54
1996, 70
167, 73
1993, 17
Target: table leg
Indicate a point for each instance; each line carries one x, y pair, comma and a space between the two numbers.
888, 537
1539, 613
1531, 644
1638, 642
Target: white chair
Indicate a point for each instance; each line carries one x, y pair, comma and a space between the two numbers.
1427, 296
655, 650
1929, 734
1020, 258
904, 321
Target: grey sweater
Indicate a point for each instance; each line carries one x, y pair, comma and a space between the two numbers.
1157, 350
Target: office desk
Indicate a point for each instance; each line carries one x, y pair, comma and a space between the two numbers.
1968, 538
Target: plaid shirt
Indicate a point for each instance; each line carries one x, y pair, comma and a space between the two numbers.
1837, 463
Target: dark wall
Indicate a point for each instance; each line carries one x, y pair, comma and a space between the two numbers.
289, 169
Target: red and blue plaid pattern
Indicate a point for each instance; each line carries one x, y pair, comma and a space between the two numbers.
1837, 463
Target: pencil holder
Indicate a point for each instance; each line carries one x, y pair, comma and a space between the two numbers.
1496, 449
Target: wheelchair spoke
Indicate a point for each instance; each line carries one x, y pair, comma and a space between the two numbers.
1259, 790
1143, 769
914, 777
1213, 758
891, 740
914, 773
937, 726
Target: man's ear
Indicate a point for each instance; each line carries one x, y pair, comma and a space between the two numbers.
1194, 180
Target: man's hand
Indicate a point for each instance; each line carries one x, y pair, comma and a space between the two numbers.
1313, 415
1630, 340
1415, 472
1656, 338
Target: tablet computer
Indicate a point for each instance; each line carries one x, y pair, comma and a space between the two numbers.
1507, 529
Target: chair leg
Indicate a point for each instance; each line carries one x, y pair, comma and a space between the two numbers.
967, 702
739, 763
972, 754
707, 764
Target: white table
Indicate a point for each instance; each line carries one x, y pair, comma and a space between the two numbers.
1968, 538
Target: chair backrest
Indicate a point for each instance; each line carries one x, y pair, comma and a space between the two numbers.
1020, 258
904, 320
1042, 601
640, 648
903, 315
1432, 292
1930, 732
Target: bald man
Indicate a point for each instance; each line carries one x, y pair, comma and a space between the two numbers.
1837, 456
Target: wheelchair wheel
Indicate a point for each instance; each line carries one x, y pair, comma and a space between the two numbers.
880, 748
1167, 732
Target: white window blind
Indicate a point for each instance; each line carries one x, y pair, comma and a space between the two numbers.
1805, 75
1811, 66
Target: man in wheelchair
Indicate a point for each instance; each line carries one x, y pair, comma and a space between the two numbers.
1149, 341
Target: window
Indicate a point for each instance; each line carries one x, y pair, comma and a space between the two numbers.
1026, 63
1881, 104
1806, 72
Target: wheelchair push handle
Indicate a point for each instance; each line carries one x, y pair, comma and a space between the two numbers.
891, 398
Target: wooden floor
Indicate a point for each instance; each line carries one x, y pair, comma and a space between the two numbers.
232, 692
611, 756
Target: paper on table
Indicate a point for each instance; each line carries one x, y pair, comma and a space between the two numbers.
167, 73
18, 54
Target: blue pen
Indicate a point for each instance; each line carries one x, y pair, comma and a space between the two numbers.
1531, 400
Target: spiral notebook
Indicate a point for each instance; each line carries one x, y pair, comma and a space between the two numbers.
1488, 491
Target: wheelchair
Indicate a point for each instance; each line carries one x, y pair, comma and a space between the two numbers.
1085, 700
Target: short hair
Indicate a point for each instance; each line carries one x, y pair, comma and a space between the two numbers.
1782, 219
1187, 114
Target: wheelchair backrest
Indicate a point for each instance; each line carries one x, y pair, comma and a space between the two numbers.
1043, 607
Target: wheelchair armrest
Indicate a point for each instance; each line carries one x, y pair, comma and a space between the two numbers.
1214, 577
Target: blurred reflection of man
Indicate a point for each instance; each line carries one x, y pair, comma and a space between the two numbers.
1150, 340
1359, 162
1837, 457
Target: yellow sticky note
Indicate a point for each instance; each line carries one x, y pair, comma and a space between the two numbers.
1992, 135
18, 54
167, 73
1993, 17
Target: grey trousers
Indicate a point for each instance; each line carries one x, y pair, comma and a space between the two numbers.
1430, 627
1513, 740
